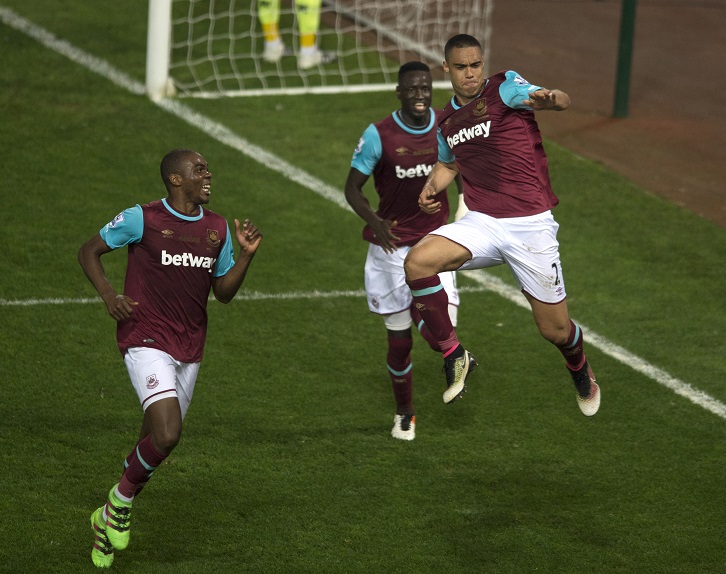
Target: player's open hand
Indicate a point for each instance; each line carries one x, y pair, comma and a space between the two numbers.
427, 200
248, 236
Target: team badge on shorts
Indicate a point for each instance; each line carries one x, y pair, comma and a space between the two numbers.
152, 382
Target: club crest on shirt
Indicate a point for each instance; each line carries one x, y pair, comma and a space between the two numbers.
481, 107
212, 237
152, 382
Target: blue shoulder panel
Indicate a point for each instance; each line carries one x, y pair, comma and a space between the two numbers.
515, 89
226, 257
368, 151
445, 153
127, 227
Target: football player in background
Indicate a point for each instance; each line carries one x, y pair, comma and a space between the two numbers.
177, 252
399, 151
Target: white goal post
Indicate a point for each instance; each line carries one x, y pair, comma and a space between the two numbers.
214, 48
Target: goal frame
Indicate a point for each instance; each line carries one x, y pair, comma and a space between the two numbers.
159, 84
158, 50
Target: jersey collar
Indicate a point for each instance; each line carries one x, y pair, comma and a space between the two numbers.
171, 210
409, 129
457, 106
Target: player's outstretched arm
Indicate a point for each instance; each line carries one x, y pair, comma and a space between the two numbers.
120, 307
440, 177
249, 239
548, 100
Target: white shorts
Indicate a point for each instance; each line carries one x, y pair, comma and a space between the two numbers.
527, 244
156, 375
385, 282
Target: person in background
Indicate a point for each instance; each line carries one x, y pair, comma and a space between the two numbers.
308, 21
399, 151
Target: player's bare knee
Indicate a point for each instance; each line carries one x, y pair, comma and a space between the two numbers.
419, 264
165, 440
555, 334
411, 266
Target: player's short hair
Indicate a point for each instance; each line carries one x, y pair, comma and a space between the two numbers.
173, 162
412, 67
460, 41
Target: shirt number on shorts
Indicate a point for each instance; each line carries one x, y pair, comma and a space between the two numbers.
557, 273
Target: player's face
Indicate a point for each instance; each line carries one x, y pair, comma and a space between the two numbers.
197, 180
466, 70
414, 92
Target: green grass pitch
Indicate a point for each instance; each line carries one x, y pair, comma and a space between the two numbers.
286, 463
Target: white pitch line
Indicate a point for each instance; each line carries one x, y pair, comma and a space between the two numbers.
64, 48
243, 296
224, 135
696, 396
214, 129
49, 301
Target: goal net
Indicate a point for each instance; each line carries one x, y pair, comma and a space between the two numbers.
212, 48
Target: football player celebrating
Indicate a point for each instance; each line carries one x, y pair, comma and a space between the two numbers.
488, 135
177, 252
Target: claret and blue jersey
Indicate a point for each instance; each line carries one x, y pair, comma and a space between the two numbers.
128, 227
400, 159
172, 260
507, 173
